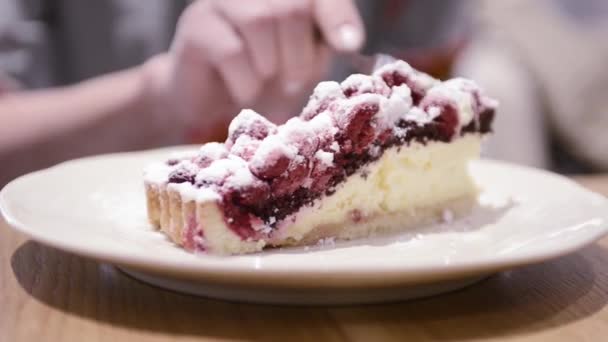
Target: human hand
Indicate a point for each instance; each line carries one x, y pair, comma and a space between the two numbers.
228, 53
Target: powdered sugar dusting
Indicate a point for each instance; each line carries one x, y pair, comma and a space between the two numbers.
398, 66
219, 170
418, 115
457, 91
213, 150
399, 102
191, 193
272, 148
425, 81
323, 124
327, 158
433, 111
245, 147
418, 79
157, 173
246, 118
296, 131
357, 84
251, 124
241, 177
344, 115
323, 94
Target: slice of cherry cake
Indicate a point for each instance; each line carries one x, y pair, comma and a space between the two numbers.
372, 155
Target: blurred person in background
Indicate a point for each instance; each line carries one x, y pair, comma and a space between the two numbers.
546, 61
225, 55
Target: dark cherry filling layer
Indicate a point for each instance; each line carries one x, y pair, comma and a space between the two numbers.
282, 186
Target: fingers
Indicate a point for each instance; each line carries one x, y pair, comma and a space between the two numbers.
255, 24
252, 43
204, 37
340, 24
322, 62
297, 48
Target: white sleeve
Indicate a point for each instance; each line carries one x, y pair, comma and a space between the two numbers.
567, 54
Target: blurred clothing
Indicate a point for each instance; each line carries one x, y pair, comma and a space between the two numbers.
58, 42
563, 48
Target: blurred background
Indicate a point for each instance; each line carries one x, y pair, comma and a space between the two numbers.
544, 60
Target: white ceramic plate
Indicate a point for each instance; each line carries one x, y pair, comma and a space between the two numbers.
95, 207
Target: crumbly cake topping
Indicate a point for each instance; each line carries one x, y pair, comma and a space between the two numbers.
264, 172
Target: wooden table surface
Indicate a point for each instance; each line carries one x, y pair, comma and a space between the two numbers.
49, 295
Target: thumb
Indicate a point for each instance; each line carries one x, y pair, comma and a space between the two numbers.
340, 24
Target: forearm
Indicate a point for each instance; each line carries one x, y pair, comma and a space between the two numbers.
98, 109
